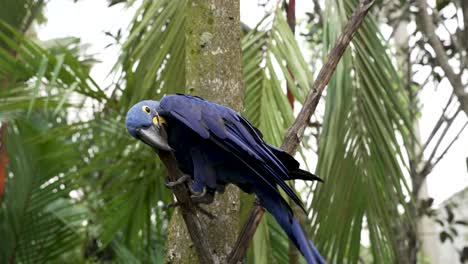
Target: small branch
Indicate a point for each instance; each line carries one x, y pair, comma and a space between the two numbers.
394, 23
318, 12
439, 123
34, 11
442, 136
189, 214
453, 40
428, 165
245, 28
450, 145
296, 131
465, 26
291, 18
255, 216
428, 28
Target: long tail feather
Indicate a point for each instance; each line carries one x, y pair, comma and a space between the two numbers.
277, 206
293, 166
299, 174
318, 257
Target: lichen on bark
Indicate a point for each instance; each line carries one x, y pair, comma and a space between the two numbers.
213, 71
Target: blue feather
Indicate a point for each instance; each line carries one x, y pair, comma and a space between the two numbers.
283, 214
190, 111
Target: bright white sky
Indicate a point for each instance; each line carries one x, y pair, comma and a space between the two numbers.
89, 19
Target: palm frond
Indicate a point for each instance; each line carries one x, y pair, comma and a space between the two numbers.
151, 64
360, 157
153, 57
271, 59
22, 60
39, 220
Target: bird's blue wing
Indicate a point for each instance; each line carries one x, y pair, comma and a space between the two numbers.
233, 133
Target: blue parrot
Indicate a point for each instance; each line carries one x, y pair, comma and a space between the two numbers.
214, 146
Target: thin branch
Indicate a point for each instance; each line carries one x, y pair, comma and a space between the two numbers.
188, 211
439, 123
453, 40
428, 28
428, 164
296, 131
245, 28
444, 132
246, 234
465, 25
450, 145
291, 18
318, 12
404, 13
34, 11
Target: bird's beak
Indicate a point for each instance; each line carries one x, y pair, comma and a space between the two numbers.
155, 136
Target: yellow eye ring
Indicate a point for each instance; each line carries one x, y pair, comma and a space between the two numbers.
146, 109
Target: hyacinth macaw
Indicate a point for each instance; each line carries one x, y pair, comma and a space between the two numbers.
214, 146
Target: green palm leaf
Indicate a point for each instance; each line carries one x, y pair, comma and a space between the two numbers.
153, 57
151, 64
272, 59
39, 222
360, 157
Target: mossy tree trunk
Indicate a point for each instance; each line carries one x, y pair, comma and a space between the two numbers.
213, 71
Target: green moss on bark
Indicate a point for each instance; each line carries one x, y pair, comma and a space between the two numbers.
213, 71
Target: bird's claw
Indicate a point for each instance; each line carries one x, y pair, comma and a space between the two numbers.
195, 193
172, 184
202, 198
196, 202
185, 178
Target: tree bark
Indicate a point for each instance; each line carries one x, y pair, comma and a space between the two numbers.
213, 71
412, 237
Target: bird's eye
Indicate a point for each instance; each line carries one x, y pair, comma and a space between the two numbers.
146, 109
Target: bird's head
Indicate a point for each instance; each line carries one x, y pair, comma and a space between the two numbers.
144, 123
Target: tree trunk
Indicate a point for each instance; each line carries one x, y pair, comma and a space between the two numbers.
213, 71
414, 238
407, 237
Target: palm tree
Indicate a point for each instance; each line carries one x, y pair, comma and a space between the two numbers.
80, 188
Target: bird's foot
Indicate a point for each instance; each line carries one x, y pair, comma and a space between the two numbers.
197, 206
181, 180
206, 197
193, 188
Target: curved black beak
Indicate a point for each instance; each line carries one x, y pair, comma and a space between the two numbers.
154, 136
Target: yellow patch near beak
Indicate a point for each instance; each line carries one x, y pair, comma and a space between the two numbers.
159, 120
